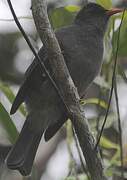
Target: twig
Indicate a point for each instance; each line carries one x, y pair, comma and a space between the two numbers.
118, 114
19, 17
72, 164
120, 129
80, 156
98, 119
99, 113
113, 79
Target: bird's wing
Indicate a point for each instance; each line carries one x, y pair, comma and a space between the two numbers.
33, 78
34, 75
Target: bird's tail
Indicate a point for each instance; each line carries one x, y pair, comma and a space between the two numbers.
22, 155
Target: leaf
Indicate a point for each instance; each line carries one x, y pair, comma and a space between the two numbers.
109, 172
105, 3
96, 101
8, 124
10, 95
106, 143
115, 160
72, 8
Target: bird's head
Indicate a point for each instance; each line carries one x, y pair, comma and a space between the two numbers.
94, 14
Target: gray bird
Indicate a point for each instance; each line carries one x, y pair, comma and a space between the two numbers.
82, 47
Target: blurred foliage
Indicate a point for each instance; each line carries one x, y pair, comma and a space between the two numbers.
105, 3
60, 17
8, 50
10, 95
8, 124
123, 38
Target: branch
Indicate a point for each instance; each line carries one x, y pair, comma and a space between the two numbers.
67, 89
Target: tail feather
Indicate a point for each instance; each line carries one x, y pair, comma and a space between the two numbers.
22, 155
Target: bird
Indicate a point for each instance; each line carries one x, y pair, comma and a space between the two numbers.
81, 44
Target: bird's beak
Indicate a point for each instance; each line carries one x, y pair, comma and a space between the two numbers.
110, 12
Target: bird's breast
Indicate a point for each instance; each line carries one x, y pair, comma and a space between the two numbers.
84, 61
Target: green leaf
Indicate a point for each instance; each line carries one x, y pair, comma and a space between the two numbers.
109, 172
72, 8
96, 101
115, 160
10, 95
8, 124
105, 3
106, 143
